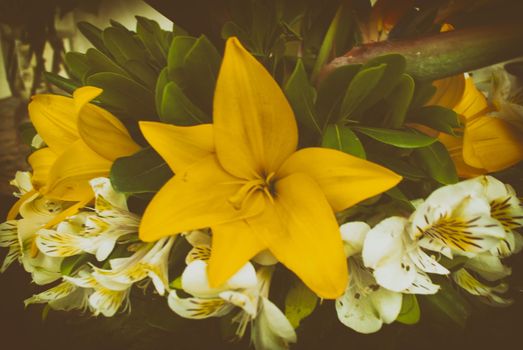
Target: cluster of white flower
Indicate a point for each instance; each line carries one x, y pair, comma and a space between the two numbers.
475, 219
89, 235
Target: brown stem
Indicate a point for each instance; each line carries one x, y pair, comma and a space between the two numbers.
444, 54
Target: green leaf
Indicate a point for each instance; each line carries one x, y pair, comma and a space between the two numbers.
436, 161
154, 39
78, 65
123, 46
438, 117
396, 194
394, 67
70, 264
63, 83
144, 171
201, 66
398, 138
301, 96
27, 132
100, 63
400, 166
124, 94
93, 34
344, 139
300, 302
399, 99
337, 38
422, 94
163, 79
142, 73
177, 109
360, 87
447, 306
410, 312
180, 46
331, 91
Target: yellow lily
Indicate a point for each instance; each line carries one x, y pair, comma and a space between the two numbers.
489, 143
243, 177
82, 142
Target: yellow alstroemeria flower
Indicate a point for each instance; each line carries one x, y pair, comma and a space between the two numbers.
82, 142
243, 177
488, 143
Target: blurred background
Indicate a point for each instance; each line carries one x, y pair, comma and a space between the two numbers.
34, 34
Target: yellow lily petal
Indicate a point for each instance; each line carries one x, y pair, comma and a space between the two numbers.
72, 210
15, 209
491, 143
54, 119
180, 146
70, 174
449, 91
41, 162
473, 101
345, 180
233, 245
100, 130
454, 145
301, 231
195, 198
254, 126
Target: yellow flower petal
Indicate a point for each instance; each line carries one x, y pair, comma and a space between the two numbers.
15, 209
254, 126
72, 210
491, 143
345, 180
195, 198
301, 231
449, 91
100, 130
41, 162
70, 174
180, 146
233, 245
472, 103
54, 119
454, 145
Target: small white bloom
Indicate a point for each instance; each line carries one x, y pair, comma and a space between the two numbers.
489, 294
456, 219
248, 290
365, 305
101, 300
95, 233
65, 296
397, 261
150, 260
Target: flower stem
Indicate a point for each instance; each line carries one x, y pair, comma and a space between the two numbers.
443, 54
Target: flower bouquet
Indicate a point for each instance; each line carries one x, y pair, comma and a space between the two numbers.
347, 157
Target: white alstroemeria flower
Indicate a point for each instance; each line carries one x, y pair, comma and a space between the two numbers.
101, 300
149, 260
22, 182
489, 294
506, 96
35, 212
455, 219
506, 208
95, 233
9, 239
365, 305
397, 261
248, 290
65, 296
